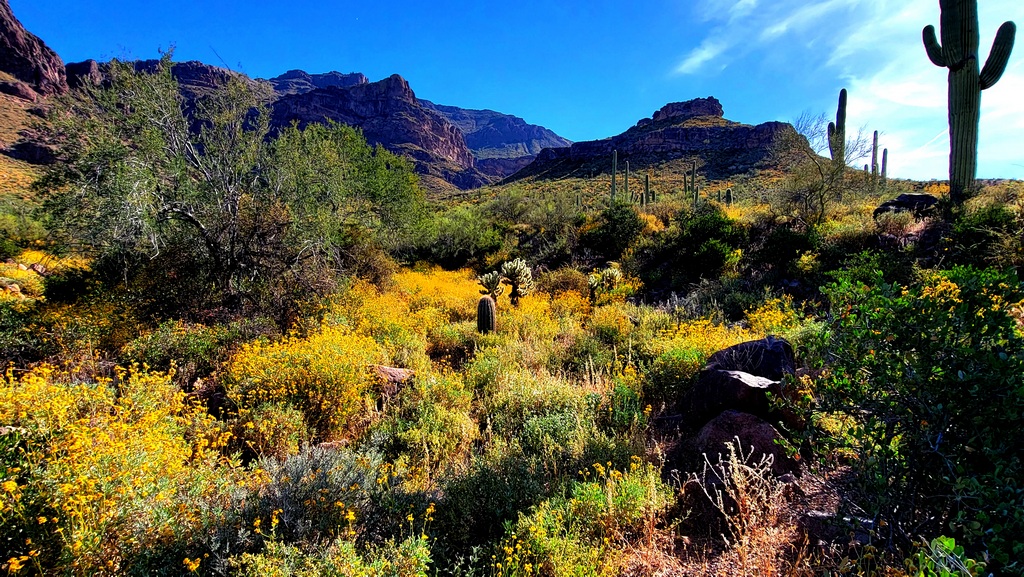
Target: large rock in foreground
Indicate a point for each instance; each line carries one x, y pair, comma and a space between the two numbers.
25, 57
716, 391
757, 438
770, 357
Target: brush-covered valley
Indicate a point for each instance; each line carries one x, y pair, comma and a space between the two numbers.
316, 326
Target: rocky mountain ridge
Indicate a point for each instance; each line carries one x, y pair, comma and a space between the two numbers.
695, 128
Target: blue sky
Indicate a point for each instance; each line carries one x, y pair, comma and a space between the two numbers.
590, 69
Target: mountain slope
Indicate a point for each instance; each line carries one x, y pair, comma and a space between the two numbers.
696, 128
389, 115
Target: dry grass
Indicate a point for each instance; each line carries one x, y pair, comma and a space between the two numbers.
14, 117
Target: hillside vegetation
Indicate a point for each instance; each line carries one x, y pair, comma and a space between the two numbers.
231, 352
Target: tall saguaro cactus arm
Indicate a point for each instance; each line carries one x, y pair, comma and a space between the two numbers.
999, 56
958, 52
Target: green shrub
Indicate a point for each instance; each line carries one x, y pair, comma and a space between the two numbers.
617, 227
700, 244
929, 378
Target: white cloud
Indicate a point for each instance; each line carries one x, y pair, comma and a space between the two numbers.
708, 50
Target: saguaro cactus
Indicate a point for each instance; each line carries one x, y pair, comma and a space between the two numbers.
885, 166
626, 184
959, 53
485, 315
837, 132
615, 170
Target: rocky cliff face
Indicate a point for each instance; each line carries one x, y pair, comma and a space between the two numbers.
300, 82
695, 128
491, 134
390, 115
27, 59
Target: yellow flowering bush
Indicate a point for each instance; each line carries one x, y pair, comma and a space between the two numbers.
773, 316
108, 471
325, 375
679, 353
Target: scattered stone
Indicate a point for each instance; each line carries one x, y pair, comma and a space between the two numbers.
391, 379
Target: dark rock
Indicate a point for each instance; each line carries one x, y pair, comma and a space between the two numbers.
82, 74
920, 205
697, 107
716, 391
757, 438
301, 82
770, 357
19, 89
32, 150
24, 56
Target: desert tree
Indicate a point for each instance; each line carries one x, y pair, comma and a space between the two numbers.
142, 172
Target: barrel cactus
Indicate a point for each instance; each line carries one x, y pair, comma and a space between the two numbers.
517, 274
485, 315
959, 53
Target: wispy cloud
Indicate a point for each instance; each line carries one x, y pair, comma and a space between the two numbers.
708, 50
873, 47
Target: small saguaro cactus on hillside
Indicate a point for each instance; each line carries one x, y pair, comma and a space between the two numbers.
491, 283
625, 186
837, 132
517, 274
728, 197
885, 166
485, 315
959, 53
615, 170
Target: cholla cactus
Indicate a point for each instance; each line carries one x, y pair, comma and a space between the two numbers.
517, 273
610, 278
491, 283
603, 281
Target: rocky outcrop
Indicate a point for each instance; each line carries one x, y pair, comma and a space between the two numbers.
82, 74
301, 82
491, 134
770, 357
694, 129
25, 57
389, 115
920, 205
680, 111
